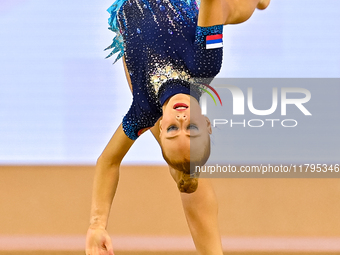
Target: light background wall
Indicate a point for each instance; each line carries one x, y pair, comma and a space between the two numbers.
55, 201
60, 101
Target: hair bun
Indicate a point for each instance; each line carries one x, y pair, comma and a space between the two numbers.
187, 184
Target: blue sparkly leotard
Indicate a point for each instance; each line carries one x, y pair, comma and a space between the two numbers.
166, 53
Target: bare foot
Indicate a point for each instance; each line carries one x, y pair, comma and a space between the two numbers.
263, 4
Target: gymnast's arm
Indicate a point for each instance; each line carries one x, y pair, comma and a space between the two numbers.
106, 176
104, 189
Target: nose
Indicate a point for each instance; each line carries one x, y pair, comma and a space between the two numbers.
181, 117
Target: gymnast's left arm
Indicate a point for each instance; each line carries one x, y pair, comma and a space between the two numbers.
105, 184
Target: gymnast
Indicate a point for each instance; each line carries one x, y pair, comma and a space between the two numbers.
170, 52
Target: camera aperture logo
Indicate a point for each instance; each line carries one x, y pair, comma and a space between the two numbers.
213, 90
239, 102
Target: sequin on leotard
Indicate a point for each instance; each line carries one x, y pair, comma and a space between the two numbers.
165, 54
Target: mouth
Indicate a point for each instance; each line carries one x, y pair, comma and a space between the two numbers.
180, 107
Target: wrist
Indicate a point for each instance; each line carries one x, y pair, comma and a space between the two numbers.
97, 223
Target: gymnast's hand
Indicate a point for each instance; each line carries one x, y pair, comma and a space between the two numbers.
98, 242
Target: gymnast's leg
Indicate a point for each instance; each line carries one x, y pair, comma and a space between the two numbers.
201, 211
200, 208
218, 12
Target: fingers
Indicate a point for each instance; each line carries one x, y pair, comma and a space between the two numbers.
98, 243
108, 246
100, 251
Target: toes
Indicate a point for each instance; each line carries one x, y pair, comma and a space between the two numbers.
263, 4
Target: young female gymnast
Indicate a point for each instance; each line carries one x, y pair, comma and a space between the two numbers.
166, 53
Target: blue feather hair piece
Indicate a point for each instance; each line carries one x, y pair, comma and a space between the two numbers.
118, 43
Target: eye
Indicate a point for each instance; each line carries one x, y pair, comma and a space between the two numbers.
192, 127
172, 128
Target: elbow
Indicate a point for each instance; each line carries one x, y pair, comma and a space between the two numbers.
106, 162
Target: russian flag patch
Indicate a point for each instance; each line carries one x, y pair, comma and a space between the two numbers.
214, 41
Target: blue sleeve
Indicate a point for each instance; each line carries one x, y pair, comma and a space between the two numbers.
208, 51
141, 116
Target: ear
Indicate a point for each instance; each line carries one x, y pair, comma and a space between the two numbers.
160, 127
208, 125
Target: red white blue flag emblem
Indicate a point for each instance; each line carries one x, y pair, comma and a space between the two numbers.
214, 41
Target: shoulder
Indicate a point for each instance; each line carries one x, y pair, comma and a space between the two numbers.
140, 117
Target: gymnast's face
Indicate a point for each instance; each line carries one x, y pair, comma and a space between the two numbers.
183, 129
